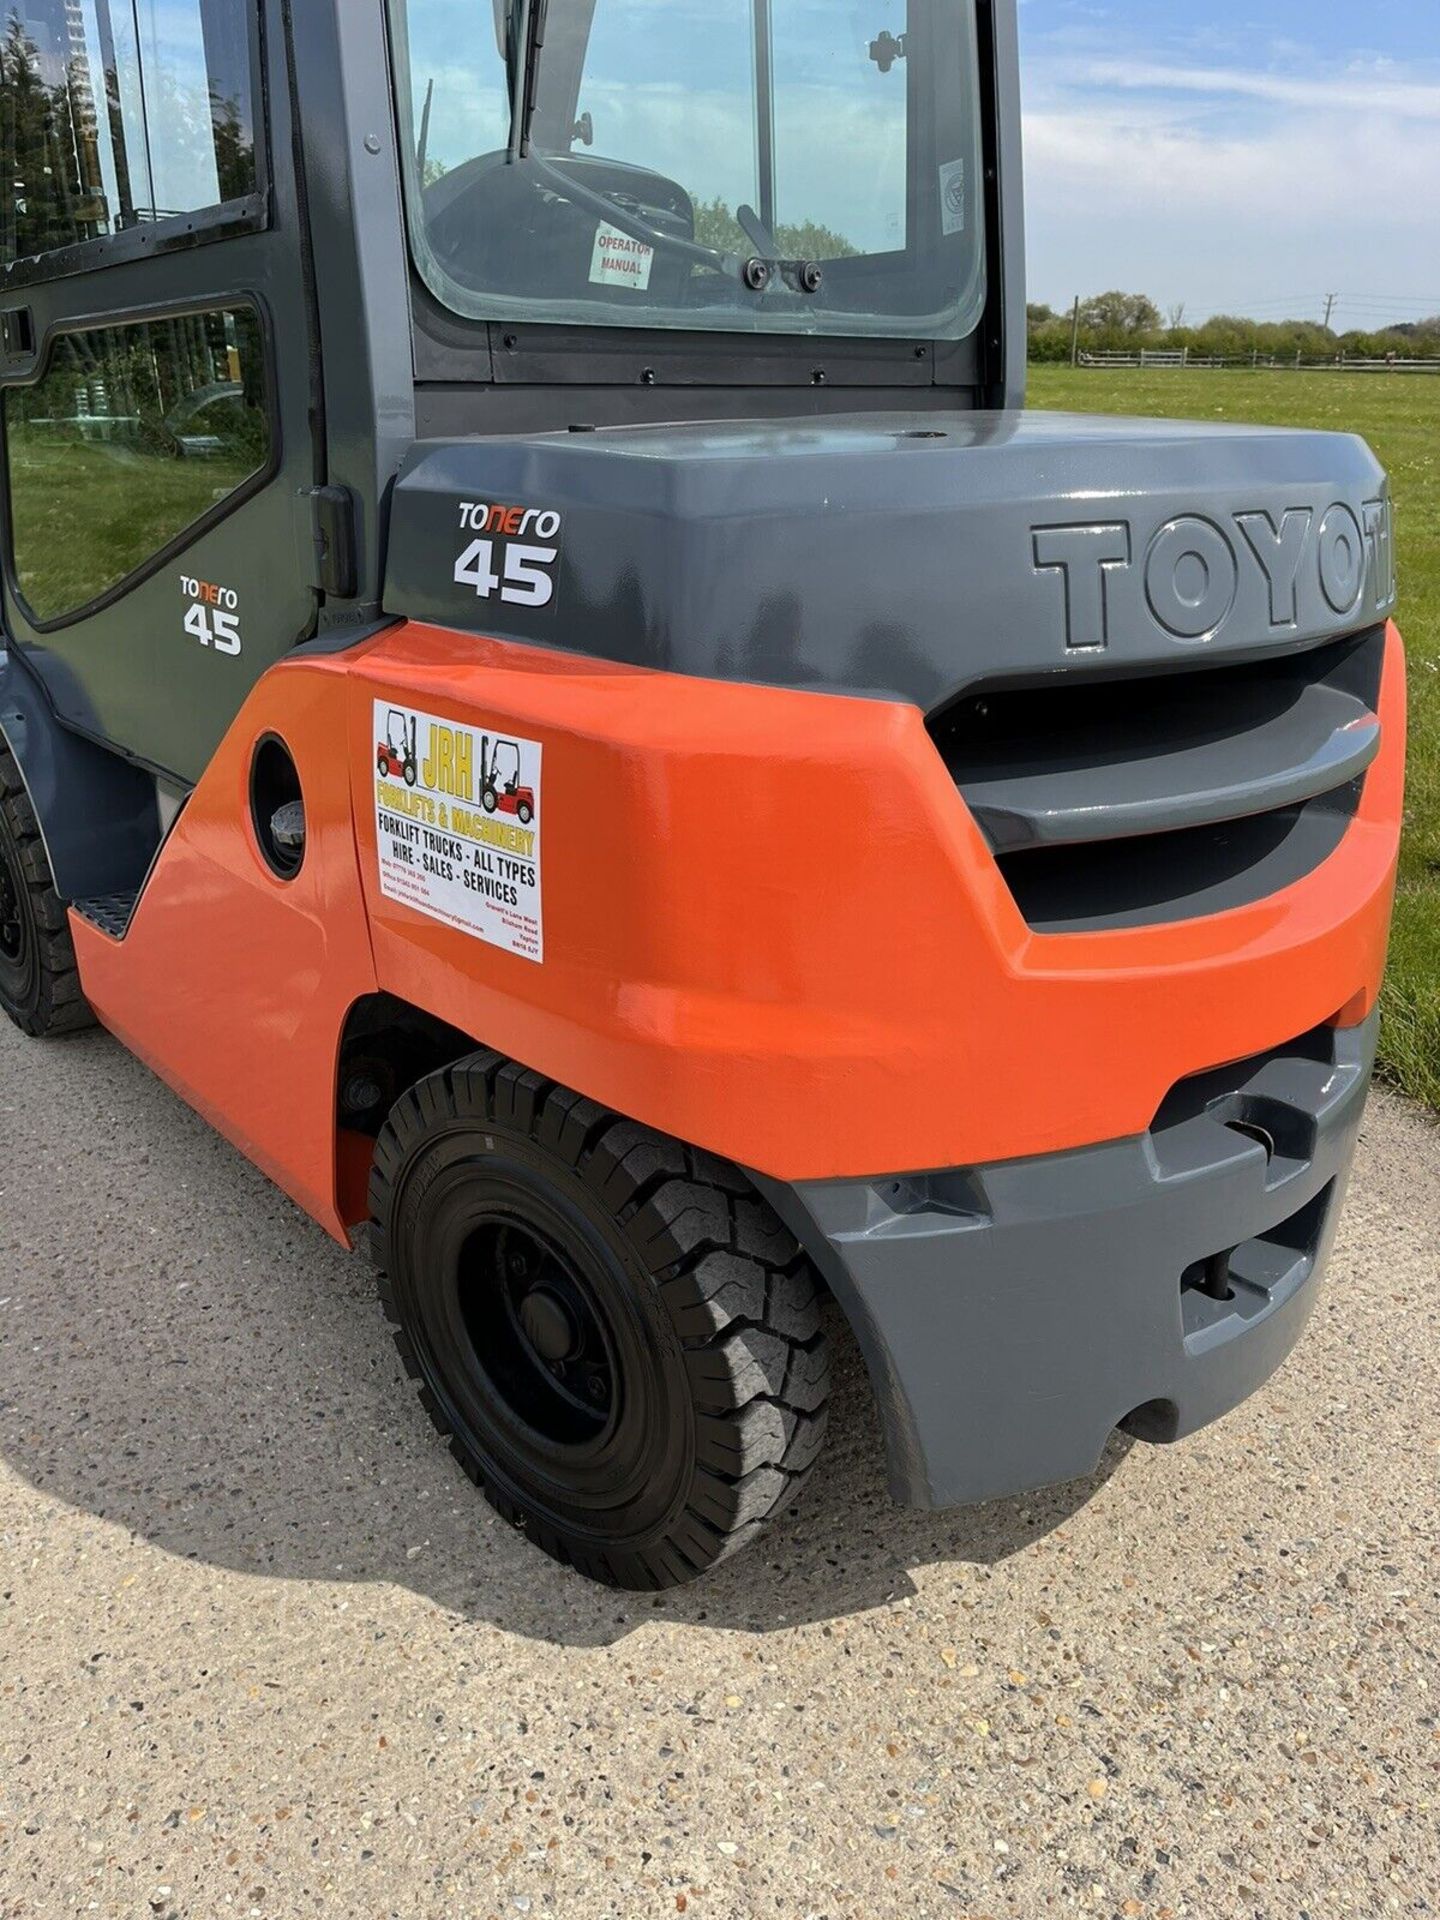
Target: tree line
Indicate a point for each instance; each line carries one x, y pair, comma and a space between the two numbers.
1128, 322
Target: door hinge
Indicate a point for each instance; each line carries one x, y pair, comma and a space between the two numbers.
335, 534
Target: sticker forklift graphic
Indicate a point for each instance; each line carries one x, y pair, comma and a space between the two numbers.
395, 754
579, 744
500, 788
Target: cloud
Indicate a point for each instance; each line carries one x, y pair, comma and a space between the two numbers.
1352, 92
1233, 188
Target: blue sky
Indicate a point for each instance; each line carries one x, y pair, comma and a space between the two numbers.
1242, 155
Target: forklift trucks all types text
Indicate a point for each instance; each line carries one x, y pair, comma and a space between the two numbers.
528, 585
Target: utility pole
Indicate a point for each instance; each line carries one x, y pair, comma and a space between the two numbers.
1330, 300
1075, 336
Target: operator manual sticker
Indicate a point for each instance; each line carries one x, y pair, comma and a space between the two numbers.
457, 822
619, 261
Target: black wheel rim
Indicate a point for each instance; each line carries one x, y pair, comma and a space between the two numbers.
538, 1332
18, 961
12, 926
529, 1334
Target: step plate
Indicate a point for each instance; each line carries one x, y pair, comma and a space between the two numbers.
111, 912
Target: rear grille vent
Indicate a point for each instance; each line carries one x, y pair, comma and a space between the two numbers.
1128, 803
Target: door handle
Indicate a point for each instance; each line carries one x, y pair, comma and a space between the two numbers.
17, 333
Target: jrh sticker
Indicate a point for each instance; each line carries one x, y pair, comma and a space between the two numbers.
619, 261
457, 821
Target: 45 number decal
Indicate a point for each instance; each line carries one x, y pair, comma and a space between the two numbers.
527, 583
218, 629
514, 560
213, 615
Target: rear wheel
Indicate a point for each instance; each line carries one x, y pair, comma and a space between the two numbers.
618, 1338
39, 981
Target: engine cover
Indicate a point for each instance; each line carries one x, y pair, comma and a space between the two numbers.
907, 556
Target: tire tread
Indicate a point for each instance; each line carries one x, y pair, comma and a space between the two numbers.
61, 1008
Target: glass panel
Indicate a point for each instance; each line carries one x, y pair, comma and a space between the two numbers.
702, 135
789, 166
133, 435
830, 106
119, 113
461, 98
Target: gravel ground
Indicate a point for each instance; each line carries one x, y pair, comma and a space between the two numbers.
263, 1652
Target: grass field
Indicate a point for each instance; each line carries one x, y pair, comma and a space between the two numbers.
1400, 416
86, 515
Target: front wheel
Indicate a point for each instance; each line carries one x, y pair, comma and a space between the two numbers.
616, 1335
39, 981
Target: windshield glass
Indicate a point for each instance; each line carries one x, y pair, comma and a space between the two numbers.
779, 166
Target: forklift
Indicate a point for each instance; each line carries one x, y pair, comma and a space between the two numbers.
395, 754
500, 788
938, 870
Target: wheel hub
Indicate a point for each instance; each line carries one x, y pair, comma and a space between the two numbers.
12, 931
538, 1332
549, 1325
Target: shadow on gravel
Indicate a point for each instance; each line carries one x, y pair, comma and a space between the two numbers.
184, 1356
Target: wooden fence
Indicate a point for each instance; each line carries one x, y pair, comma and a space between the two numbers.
1182, 357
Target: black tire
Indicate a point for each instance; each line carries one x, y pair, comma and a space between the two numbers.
411, 773
39, 981
616, 1335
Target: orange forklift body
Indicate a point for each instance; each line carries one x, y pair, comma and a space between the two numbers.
781, 1031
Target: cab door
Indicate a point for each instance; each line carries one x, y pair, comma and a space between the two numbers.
159, 449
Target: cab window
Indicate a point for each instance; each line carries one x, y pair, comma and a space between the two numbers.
135, 435
118, 115
746, 166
